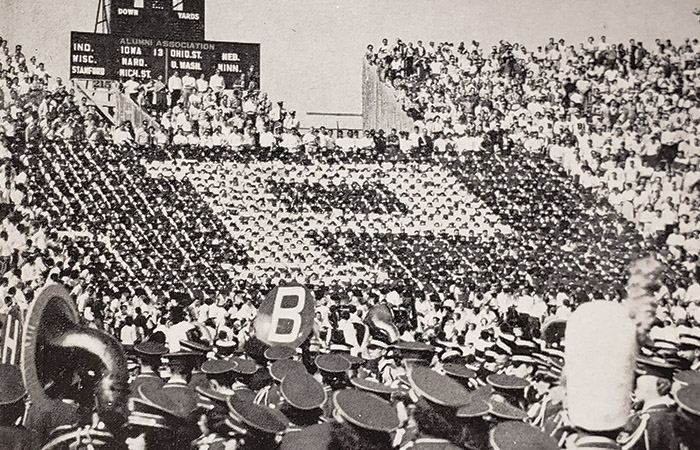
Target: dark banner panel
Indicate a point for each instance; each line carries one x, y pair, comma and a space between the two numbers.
101, 56
92, 56
174, 19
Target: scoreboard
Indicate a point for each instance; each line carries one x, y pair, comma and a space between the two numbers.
152, 38
114, 57
91, 56
171, 19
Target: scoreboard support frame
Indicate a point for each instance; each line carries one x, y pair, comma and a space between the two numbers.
102, 17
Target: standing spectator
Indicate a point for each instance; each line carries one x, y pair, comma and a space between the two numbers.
217, 84
159, 92
202, 84
131, 88
175, 88
189, 84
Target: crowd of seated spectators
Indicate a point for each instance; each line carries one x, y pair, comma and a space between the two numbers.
31, 251
529, 184
481, 206
621, 121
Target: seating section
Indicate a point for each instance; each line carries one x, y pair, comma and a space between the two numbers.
160, 231
620, 120
493, 192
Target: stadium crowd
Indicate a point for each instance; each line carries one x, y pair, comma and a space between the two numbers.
531, 182
621, 120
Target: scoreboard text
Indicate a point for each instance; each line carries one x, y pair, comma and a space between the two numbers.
110, 57
91, 55
172, 19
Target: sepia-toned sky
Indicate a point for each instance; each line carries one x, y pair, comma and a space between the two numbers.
311, 49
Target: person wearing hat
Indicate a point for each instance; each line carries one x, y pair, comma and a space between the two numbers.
687, 420
374, 387
303, 396
278, 352
200, 350
415, 352
225, 348
445, 410
181, 365
333, 373
254, 426
244, 373
356, 363
172, 411
255, 349
652, 426
220, 376
333, 369
517, 435
12, 408
148, 355
461, 373
219, 373
375, 356
361, 421
404, 354
178, 386
144, 431
270, 395
685, 378
510, 387
689, 349
310, 349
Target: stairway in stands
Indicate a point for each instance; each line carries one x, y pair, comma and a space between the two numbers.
114, 105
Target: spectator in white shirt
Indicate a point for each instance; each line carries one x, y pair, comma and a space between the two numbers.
131, 88
128, 334
267, 138
202, 84
188, 87
217, 83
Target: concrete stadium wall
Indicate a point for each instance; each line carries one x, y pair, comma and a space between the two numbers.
381, 104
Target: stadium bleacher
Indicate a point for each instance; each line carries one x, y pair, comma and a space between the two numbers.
529, 187
163, 226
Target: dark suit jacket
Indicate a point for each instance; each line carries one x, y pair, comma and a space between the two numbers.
656, 427
18, 438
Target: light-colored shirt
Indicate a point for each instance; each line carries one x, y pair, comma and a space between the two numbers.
174, 83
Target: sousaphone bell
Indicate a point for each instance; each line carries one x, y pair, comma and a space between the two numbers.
64, 360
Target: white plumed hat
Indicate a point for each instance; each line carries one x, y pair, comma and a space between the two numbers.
600, 356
